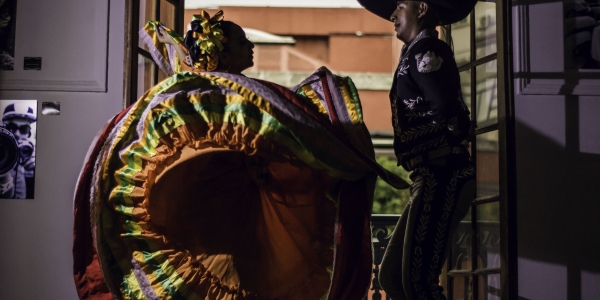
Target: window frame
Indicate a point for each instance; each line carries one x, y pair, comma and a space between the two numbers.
132, 49
505, 125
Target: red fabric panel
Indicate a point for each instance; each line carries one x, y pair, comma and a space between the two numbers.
353, 255
87, 273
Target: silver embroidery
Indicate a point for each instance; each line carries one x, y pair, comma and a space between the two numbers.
395, 120
411, 103
403, 68
452, 125
428, 62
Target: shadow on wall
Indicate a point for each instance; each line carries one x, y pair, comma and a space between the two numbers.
558, 162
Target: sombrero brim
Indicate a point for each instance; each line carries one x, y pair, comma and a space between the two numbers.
449, 11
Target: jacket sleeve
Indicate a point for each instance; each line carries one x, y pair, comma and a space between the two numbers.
433, 69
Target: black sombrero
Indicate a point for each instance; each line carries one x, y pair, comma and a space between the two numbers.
449, 11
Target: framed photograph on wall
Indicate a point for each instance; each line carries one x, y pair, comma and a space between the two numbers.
49, 55
582, 34
8, 15
558, 47
17, 148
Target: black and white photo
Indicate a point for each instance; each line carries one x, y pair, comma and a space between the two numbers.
17, 149
582, 34
8, 13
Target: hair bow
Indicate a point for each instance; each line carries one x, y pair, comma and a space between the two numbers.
209, 39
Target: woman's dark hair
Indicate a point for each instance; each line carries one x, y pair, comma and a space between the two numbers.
227, 27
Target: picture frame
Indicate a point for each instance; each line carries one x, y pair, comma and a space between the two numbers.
38, 23
18, 140
543, 62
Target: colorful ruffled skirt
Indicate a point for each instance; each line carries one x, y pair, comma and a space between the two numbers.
218, 186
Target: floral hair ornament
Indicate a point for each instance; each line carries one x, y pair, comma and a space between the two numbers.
205, 40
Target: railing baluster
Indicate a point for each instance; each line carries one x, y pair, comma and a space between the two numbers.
488, 233
381, 240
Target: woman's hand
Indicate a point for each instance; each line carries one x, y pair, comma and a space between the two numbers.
163, 37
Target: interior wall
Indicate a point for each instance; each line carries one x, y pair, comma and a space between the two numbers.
558, 158
36, 234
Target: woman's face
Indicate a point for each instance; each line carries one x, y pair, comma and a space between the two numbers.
240, 56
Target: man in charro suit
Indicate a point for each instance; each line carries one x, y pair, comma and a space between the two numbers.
431, 128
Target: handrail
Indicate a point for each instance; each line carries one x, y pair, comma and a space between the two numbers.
488, 234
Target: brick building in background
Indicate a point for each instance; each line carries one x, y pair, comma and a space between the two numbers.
349, 41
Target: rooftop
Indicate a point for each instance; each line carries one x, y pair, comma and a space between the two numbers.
262, 37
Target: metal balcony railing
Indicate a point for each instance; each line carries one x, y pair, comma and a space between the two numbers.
488, 255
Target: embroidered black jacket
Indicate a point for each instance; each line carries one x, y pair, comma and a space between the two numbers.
428, 111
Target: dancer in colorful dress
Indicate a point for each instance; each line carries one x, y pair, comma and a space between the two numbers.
217, 186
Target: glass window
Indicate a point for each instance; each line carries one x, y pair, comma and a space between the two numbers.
461, 40
143, 73
147, 11
167, 14
491, 288
145, 78
488, 235
487, 164
479, 85
487, 93
485, 29
465, 86
462, 288
460, 257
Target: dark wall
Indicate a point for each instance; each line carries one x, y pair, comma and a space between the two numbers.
558, 163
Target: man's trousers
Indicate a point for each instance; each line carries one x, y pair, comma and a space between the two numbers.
441, 195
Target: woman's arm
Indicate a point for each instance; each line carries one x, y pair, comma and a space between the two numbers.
165, 38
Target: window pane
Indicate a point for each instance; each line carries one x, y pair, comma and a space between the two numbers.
167, 14
461, 39
161, 75
485, 28
465, 86
489, 212
488, 235
462, 288
460, 256
488, 178
145, 78
487, 94
147, 8
491, 289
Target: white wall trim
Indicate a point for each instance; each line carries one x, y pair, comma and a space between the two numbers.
55, 85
